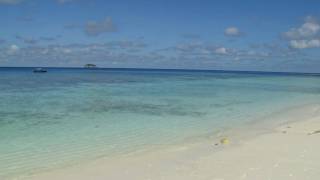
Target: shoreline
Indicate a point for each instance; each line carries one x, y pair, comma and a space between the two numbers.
262, 152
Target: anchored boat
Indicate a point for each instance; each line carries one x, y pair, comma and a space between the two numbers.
39, 70
90, 66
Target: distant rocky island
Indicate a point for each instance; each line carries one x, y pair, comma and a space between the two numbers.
90, 66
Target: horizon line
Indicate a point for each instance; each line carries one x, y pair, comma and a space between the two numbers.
168, 69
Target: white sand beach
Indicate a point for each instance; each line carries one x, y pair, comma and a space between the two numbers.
287, 152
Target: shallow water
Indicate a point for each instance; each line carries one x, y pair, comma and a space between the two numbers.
69, 115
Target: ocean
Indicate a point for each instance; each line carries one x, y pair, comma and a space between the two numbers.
72, 115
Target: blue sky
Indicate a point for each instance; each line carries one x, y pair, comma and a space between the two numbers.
206, 34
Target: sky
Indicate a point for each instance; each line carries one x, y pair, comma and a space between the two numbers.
254, 35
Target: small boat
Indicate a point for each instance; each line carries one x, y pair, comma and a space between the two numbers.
39, 70
90, 66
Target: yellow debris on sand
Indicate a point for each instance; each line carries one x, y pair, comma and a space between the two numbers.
225, 141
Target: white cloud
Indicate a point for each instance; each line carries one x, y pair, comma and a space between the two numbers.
305, 36
221, 50
94, 28
232, 31
303, 44
309, 29
124, 54
13, 49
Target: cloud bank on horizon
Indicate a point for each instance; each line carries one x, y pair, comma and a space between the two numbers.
162, 34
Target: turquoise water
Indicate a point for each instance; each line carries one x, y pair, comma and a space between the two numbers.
69, 115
